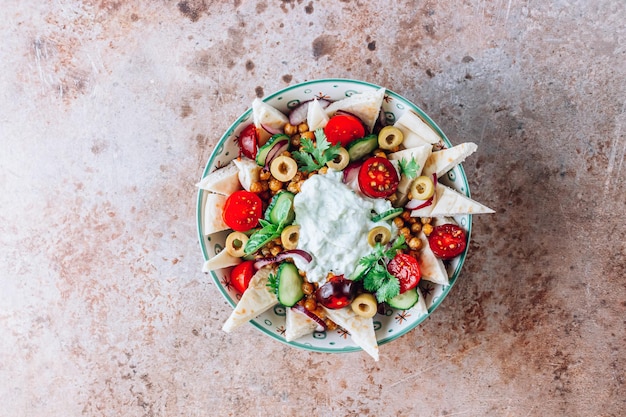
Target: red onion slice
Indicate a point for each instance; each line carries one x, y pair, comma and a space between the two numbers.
277, 149
298, 254
418, 204
351, 172
321, 326
299, 113
272, 130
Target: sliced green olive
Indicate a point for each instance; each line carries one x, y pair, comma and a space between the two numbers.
422, 188
365, 305
340, 161
379, 234
235, 244
283, 168
289, 236
390, 137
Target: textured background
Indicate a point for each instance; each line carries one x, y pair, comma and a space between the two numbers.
110, 109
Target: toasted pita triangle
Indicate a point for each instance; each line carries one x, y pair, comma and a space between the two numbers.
316, 116
431, 267
415, 124
248, 172
254, 301
361, 329
365, 106
442, 161
219, 261
419, 154
221, 181
213, 209
452, 203
298, 324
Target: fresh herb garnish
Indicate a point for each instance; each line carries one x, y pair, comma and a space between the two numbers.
409, 168
372, 269
315, 155
272, 283
268, 232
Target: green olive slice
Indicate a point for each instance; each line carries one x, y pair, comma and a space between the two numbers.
340, 161
283, 168
289, 236
365, 305
390, 137
422, 188
235, 244
379, 234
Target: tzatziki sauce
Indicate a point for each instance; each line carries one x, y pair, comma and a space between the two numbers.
334, 223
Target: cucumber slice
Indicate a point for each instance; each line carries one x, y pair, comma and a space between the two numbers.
289, 289
280, 209
271, 148
362, 147
405, 300
387, 215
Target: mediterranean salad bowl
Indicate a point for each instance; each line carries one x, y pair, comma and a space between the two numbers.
348, 229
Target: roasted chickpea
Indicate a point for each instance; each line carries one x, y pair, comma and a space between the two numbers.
406, 232
307, 288
275, 185
264, 175
310, 304
290, 129
416, 227
398, 222
427, 229
303, 127
330, 325
415, 243
308, 135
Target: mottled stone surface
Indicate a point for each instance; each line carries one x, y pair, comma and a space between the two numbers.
110, 109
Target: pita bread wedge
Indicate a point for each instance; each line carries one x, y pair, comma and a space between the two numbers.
219, 261
419, 154
410, 139
431, 267
254, 301
452, 203
248, 172
267, 119
361, 329
213, 209
420, 308
415, 124
365, 106
298, 324
222, 181
316, 116
442, 161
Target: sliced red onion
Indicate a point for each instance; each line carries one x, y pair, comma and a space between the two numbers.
418, 204
351, 172
321, 325
298, 114
272, 130
299, 254
435, 179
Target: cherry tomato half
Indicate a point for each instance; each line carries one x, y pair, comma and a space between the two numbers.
378, 178
406, 269
447, 241
248, 141
242, 210
343, 129
241, 275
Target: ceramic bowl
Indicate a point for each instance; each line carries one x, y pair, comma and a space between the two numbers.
392, 323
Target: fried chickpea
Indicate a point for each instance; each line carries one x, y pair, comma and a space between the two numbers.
275, 185
310, 304
427, 229
307, 288
303, 127
264, 175
290, 129
406, 232
415, 243
398, 222
293, 187
416, 227
425, 220
406, 215
276, 250
295, 141
256, 187
309, 135
330, 325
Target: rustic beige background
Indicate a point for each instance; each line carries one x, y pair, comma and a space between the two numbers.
110, 109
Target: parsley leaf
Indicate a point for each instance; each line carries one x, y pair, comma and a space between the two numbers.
315, 155
272, 283
409, 168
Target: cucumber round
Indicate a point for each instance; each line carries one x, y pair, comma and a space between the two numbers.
289, 289
280, 209
405, 300
362, 147
277, 140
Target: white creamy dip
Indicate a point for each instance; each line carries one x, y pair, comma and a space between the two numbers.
334, 224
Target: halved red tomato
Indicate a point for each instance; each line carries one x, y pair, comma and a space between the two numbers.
447, 241
248, 141
241, 275
242, 210
406, 269
343, 129
378, 178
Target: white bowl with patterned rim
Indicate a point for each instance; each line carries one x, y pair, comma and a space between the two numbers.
393, 323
